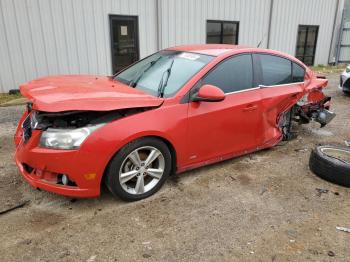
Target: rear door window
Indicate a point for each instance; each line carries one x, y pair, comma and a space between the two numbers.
275, 70
233, 74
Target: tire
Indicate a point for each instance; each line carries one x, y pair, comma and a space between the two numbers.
124, 163
326, 164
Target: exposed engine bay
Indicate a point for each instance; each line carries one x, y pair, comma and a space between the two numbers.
76, 119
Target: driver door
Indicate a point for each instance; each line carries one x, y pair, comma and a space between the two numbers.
216, 129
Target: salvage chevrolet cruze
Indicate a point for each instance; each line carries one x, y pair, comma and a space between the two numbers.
176, 110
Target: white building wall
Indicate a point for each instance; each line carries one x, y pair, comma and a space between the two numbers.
184, 21
49, 37
287, 15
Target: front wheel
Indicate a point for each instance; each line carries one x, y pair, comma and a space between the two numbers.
139, 169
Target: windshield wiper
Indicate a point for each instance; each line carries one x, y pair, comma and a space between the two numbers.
136, 79
162, 84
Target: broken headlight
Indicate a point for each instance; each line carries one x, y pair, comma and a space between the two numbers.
66, 138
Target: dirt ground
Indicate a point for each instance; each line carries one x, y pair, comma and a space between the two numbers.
260, 207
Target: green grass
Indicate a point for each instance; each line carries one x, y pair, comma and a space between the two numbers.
325, 69
6, 97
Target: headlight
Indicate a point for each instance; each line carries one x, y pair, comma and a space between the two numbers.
347, 69
66, 138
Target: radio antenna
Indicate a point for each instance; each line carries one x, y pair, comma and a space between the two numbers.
262, 39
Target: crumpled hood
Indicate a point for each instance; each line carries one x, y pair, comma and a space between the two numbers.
77, 92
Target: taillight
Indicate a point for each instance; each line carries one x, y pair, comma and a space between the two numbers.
315, 96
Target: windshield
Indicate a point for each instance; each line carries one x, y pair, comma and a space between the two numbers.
147, 74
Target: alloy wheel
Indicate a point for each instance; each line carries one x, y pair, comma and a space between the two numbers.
141, 170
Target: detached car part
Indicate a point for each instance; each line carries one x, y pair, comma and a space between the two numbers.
332, 163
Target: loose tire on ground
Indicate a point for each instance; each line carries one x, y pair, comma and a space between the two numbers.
118, 162
332, 163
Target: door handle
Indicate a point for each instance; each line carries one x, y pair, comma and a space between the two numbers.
249, 108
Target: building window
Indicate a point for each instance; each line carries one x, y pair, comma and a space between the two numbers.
306, 43
222, 32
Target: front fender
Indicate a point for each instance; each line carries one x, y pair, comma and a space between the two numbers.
109, 139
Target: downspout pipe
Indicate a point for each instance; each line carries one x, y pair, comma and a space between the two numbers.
333, 33
270, 23
339, 39
158, 25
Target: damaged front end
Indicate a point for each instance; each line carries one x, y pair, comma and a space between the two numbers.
50, 153
67, 129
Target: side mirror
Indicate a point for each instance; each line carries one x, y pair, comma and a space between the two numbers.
208, 93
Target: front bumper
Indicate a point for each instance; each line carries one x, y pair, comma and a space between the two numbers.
42, 167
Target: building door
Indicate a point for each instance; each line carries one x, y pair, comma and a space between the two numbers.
124, 41
306, 44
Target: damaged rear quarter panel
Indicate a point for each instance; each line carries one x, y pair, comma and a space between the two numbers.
275, 101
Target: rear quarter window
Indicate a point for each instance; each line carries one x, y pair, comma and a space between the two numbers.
298, 73
275, 70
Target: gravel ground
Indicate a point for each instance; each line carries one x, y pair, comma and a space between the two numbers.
260, 207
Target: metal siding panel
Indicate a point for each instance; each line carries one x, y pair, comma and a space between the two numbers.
49, 36
288, 15
346, 38
13, 44
59, 36
143, 34
70, 36
345, 54
82, 50
42, 37
25, 40
107, 9
191, 28
99, 37
36, 30
90, 36
6, 73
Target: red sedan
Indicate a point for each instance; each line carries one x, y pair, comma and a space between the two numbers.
175, 110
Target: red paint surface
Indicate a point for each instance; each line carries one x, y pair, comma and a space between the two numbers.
199, 132
73, 92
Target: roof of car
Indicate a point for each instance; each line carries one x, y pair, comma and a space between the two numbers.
223, 49
208, 49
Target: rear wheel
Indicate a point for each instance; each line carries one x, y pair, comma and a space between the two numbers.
139, 169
